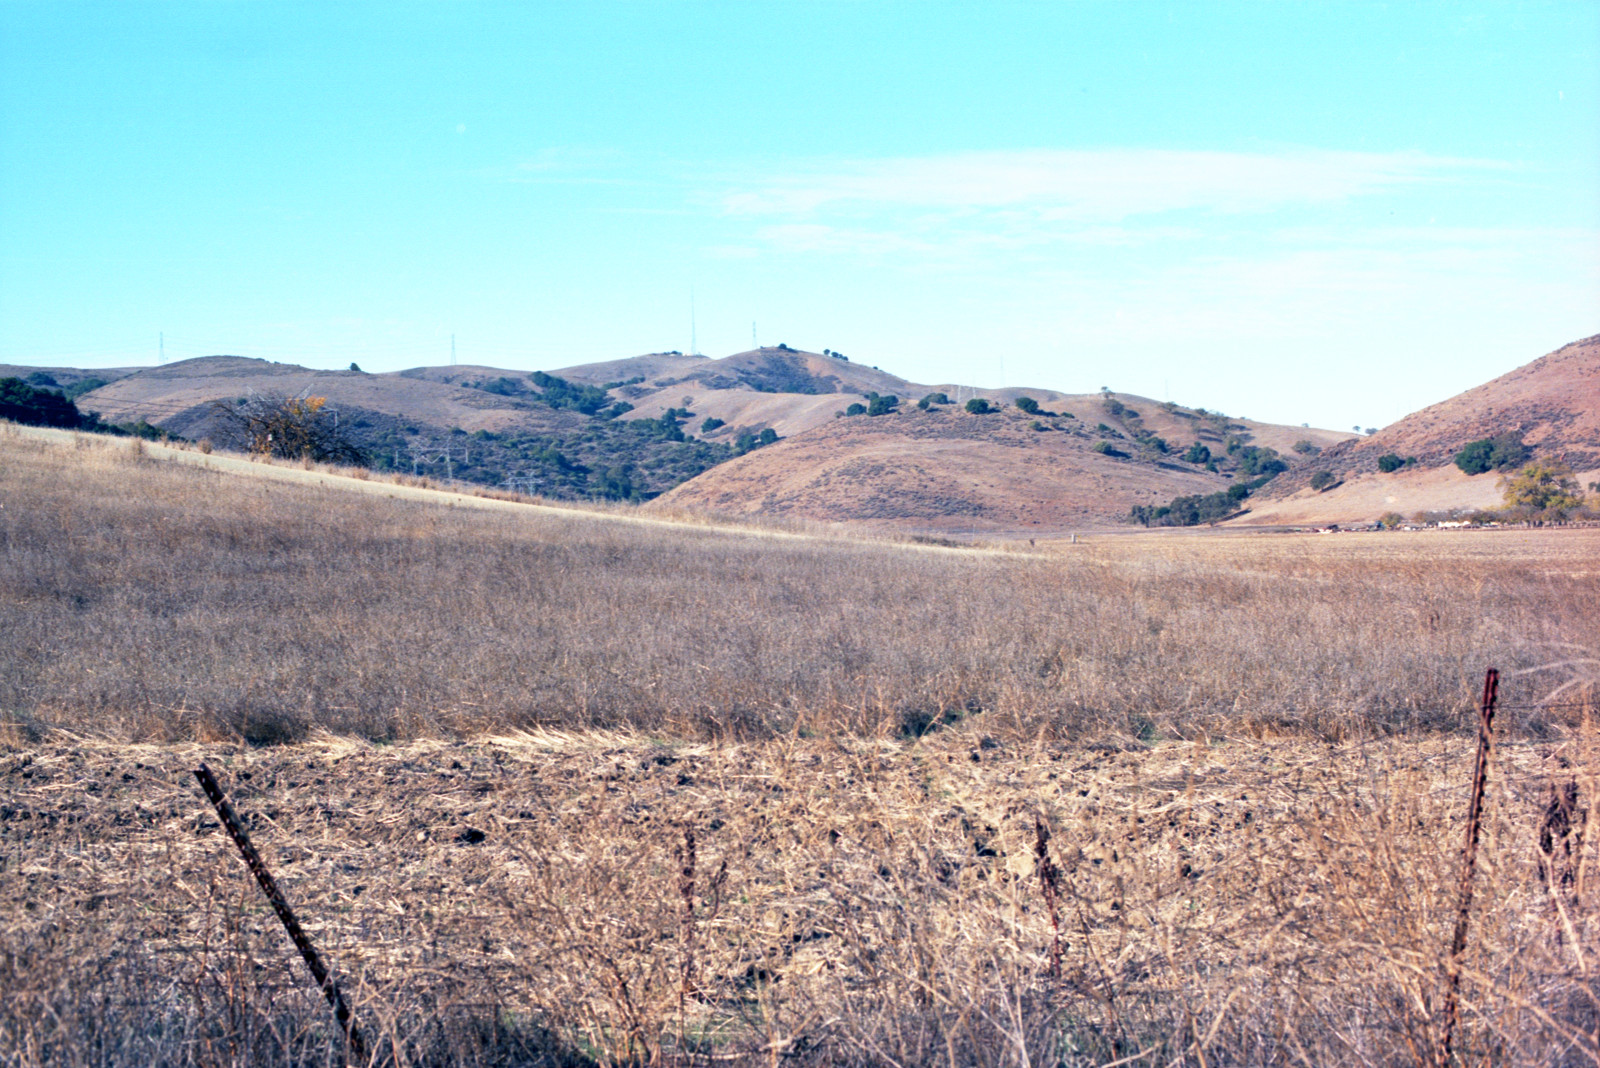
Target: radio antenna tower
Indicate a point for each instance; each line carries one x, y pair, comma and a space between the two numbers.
161, 346
694, 349
452, 350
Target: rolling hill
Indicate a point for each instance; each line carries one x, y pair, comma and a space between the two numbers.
1080, 461
1552, 403
636, 428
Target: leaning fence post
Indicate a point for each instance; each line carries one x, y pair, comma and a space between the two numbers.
1458, 944
280, 905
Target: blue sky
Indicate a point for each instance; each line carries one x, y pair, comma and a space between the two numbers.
1324, 213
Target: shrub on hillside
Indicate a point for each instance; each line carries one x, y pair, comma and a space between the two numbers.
1257, 460
1390, 462
289, 428
931, 399
979, 406
856, 409
1305, 448
559, 393
1323, 480
1197, 454
1028, 404
1191, 511
1501, 452
711, 423
881, 405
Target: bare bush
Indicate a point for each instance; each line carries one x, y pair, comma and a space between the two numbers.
289, 428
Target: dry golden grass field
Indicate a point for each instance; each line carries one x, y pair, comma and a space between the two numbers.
556, 787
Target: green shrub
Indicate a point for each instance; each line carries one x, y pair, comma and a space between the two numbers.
1390, 461
1323, 479
1197, 454
1258, 460
1501, 452
979, 406
22, 403
1305, 448
711, 423
1028, 404
881, 405
856, 409
559, 393
931, 399
1192, 511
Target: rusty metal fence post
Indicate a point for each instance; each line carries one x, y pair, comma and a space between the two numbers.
280, 905
1458, 943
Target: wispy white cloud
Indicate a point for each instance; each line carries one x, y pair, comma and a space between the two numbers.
1092, 186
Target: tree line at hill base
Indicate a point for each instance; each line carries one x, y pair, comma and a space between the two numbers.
32, 405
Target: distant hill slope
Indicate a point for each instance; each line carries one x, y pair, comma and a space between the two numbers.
179, 396
1552, 402
1006, 471
637, 427
478, 424
786, 389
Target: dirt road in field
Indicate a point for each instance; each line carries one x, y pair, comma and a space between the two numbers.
388, 486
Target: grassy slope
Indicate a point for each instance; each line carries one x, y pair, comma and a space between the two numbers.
860, 898
149, 598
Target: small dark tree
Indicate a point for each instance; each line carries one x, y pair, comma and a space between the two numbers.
1323, 479
1028, 404
1475, 457
1390, 462
931, 399
767, 436
1507, 451
1197, 454
979, 406
856, 409
711, 423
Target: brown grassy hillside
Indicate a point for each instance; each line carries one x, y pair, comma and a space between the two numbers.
949, 470
1553, 402
179, 395
147, 598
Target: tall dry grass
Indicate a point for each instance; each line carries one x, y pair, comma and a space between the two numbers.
148, 600
1048, 878
530, 901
